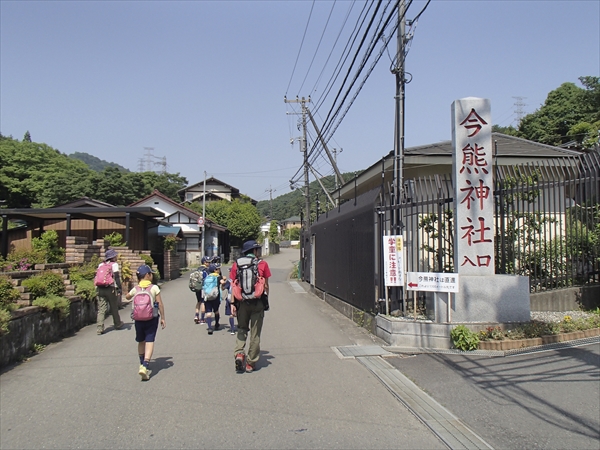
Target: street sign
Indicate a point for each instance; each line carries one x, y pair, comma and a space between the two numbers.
432, 282
201, 221
393, 260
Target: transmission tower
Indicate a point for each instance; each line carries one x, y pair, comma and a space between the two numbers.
149, 161
519, 111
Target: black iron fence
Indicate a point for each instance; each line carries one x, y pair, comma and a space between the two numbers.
547, 224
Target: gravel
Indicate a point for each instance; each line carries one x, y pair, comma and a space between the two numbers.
556, 317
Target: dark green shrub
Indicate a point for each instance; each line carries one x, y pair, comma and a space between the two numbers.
44, 284
54, 302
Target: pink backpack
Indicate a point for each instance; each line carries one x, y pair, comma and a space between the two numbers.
142, 305
104, 275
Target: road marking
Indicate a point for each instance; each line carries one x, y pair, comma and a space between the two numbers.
297, 288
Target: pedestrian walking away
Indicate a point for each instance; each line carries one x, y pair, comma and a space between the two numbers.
108, 290
200, 274
226, 297
212, 297
250, 289
147, 310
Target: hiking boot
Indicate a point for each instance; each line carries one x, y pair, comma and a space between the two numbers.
249, 367
217, 326
239, 362
100, 331
210, 331
143, 372
196, 320
119, 326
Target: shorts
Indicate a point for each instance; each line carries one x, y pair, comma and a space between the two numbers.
199, 297
212, 305
145, 330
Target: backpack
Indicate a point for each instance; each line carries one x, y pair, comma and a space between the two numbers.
104, 275
248, 284
143, 304
210, 288
196, 277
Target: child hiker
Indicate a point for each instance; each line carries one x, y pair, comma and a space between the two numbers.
146, 320
226, 297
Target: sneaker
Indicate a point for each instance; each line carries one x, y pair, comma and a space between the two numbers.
202, 322
100, 331
239, 362
210, 331
196, 320
217, 326
232, 331
249, 367
119, 326
143, 372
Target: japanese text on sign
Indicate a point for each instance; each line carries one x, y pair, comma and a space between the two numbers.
393, 260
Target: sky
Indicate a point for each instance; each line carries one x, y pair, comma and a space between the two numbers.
202, 83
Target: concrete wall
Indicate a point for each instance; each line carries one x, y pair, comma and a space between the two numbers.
568, 299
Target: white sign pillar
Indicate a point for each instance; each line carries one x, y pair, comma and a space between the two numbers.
472, 167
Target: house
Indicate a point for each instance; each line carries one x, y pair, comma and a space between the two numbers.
86, 217
214, 190
436, 159
177, 216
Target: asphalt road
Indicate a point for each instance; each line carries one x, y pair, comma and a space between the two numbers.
84, 392
546, 400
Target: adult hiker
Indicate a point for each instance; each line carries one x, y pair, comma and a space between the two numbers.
108, 290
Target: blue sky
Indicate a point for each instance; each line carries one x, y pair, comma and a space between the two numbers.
203, 82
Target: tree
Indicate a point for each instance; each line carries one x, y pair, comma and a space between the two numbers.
559, 119
241, 219
27, 137
273, 231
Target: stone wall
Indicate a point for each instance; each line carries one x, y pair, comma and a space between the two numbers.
34, 325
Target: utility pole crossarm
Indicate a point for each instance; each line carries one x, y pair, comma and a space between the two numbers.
331, 159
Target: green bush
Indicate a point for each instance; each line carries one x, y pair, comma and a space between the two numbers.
85, 271
115, 239
85, 289
147, 259
8, 293
4, 321
463, 338
47, 244
54, 302
20, 260
44, 284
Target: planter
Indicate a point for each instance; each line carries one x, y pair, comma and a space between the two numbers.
592, 332
552, 339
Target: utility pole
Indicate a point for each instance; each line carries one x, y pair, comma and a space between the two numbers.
303, 102
399, 122
203, 213
270, 191
335, 153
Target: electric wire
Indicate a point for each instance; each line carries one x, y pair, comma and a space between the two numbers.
301, 44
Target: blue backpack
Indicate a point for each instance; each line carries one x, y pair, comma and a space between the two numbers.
210, 287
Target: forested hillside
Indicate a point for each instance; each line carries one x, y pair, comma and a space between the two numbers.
290, 204
95, 163
34, 175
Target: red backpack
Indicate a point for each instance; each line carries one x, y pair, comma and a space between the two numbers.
104, 275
